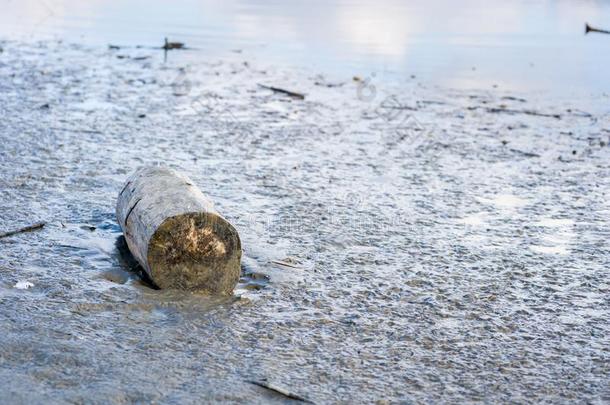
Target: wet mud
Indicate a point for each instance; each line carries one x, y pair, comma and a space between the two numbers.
402, 242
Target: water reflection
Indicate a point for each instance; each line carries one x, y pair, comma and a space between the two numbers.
520, 45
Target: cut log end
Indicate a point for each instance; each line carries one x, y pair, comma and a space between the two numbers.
175, 233
195, 251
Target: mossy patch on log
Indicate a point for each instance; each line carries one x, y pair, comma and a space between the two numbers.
195, 251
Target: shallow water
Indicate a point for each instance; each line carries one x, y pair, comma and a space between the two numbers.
445, 245
522, 45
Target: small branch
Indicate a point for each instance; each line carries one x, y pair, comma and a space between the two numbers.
523, 153
283, 263
526, 112
329, 85
588, 29
300, 96
76, 130
29, 228
498, 110
280, 391
512, 98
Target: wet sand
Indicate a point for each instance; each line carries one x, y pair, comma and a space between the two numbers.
445, 245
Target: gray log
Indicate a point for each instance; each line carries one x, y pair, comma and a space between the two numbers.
173, 231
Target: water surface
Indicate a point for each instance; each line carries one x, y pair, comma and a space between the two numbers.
533, 45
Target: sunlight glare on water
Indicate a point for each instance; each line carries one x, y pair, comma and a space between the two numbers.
519, 45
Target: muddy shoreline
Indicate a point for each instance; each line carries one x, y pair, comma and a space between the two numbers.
446, 245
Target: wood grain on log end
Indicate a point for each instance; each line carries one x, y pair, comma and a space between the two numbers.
195, 251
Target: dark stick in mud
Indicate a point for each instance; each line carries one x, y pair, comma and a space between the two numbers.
294, 94
172, 45
283, 263
498, 110
279, 390
588, 29
28, 228
175, 233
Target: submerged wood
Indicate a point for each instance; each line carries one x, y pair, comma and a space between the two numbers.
175, 233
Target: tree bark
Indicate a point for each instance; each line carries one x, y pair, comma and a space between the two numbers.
175, 233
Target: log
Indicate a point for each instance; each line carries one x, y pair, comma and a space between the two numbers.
175, 233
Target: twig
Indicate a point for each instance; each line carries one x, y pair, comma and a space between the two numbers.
329, 85
300, 96
71, 246
497, 110
29, 228
526, 112
280, 391
524, 153
282, 263
84, 131
588, 29
512, 98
